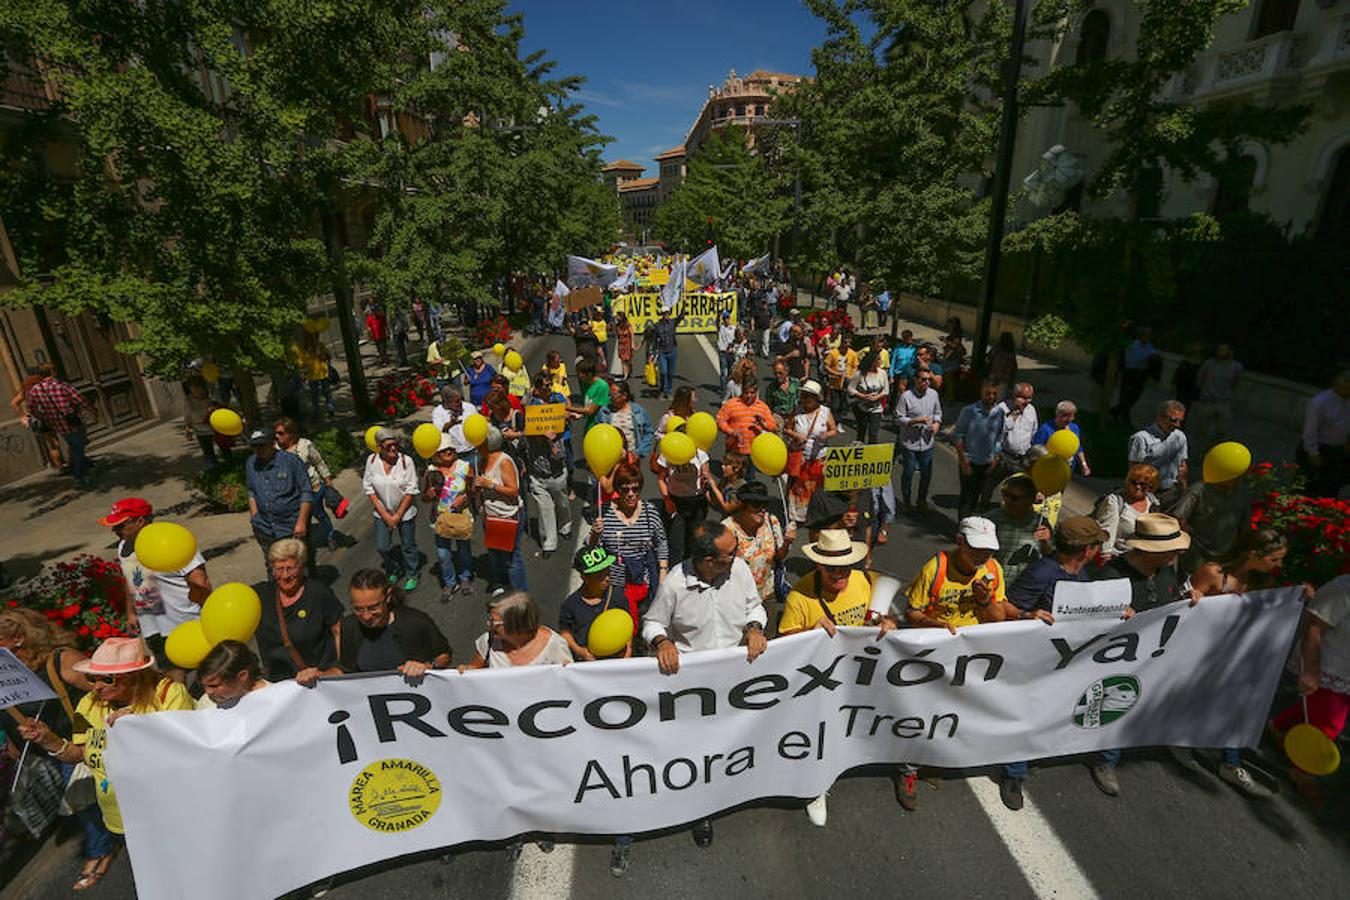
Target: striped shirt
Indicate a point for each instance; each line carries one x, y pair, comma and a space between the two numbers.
736, 419
632, 542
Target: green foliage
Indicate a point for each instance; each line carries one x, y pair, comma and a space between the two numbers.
733, 187
223, 487
1047, 330
337, 447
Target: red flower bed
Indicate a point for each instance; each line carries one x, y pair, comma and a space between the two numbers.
402, 394
492, 331
1318, 529
87, 595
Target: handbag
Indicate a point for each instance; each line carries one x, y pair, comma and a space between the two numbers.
80, 792
499, 532
456, 525
781, 586
649, 373
334, 376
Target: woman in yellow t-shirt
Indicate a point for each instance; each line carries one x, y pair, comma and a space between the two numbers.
124, 684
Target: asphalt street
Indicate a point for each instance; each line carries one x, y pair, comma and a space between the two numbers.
1170, 833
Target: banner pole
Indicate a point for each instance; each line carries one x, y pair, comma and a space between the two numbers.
18, 770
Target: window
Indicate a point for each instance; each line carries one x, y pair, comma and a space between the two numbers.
1334, 222
1273, 16
1093, 36
1235, 187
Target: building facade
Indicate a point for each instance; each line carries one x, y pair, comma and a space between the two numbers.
742, 101
1271, 52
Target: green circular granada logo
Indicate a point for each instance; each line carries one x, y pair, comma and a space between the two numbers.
1106, 700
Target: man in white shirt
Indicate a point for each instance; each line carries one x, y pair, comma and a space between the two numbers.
1019, 427
709, 602
1326, 429
448, 418
1212, 413
726, 336
1163, 446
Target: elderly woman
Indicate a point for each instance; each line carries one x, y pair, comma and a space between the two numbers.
808, 435
760, 539
514, 637
496, 483
390, 481
299, 625
50, 653
1065, 413
1116, 512
124, 682
227, 673
632, 529
287, 433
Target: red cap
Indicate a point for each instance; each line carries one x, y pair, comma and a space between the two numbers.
127, 508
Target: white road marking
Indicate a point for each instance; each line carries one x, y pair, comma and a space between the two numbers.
710, 351
1047, 865
548, 876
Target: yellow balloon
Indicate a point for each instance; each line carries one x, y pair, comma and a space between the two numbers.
1063, 443
231, 613
513, 361
226, 421
1051, 474
769, 454
603, 447
1226, 461
702, 428
426, 440
165, 546
677, 448
187, 645
475, 429
674, 423
499, 348
610, 632
210, 372
1305, 745
370, 439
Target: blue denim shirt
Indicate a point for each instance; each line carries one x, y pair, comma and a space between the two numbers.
278, 487
979, 430
644, 433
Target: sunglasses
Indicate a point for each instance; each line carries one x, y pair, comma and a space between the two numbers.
102, 679
837, 570
628, 489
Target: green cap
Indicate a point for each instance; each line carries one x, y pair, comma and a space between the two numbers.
593, 559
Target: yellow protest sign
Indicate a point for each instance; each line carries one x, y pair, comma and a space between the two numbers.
541, 418
700, 310
859, 466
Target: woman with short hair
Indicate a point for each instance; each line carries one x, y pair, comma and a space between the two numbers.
1117, 511
288, 438
514, 637
299, 625
632, 529
497, 487
228, 672
390, 482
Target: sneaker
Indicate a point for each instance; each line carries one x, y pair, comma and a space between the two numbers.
411, 583
448, 592
1240, 778
1105, 778
1010, 792
393, 579
544, 846
618, 860
816, 812
1184, 757
497, 592
906, 791
703, 833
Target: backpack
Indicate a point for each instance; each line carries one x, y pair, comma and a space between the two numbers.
940, 577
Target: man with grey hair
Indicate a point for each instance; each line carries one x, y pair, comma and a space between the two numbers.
1019, 429
1065, 413
448, 418
1163, 446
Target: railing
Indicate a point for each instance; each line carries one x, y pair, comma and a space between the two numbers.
1255, 64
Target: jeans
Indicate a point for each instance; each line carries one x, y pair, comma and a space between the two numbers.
401, 347
869, 424
77, 440
98, 840
456, 559
507, 567
323, 526
690, 512
548, 494
724, 359
208, 444
971, 486
404, 562
665, 367
315, 389
1017, 771
922, 460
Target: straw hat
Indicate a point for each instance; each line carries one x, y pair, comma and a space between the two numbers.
116, 656
1158, 533
835, 548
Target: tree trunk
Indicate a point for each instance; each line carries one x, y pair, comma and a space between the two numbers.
248, 396
342, 298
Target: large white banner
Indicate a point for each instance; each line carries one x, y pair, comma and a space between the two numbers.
293, 785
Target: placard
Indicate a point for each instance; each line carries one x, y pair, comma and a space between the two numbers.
859, 466
542, 418
1091, 599
20, 684
698, 312
583, 298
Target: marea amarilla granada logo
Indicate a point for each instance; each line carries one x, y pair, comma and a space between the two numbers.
1106, 700
394, 795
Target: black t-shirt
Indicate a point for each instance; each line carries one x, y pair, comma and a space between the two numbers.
309, 624
587, 346
1145, 592
577, 615
413, 635
826, 509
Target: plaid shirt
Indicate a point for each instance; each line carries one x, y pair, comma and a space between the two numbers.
52, 401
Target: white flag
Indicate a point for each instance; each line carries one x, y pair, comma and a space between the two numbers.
704, 268
756, 266
582, 271
626, 279
674, 289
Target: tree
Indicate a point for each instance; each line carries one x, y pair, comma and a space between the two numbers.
732, 187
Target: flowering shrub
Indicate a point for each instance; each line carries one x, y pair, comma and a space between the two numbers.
1318, 529
492, 331
402, 394
87, 595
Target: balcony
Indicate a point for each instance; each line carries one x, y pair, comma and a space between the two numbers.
1332, 51
1264, 66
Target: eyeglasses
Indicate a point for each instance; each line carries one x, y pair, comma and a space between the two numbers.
628, 489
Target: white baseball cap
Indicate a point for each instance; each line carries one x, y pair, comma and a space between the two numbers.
979, 533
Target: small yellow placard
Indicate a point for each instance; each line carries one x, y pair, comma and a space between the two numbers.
545, 417
859, 466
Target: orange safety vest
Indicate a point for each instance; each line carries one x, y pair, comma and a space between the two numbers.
940, 576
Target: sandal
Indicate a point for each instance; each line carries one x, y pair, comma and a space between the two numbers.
93, 876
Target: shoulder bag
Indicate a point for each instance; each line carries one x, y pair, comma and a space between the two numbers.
80, 790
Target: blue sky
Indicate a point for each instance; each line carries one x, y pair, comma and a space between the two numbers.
648, 65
